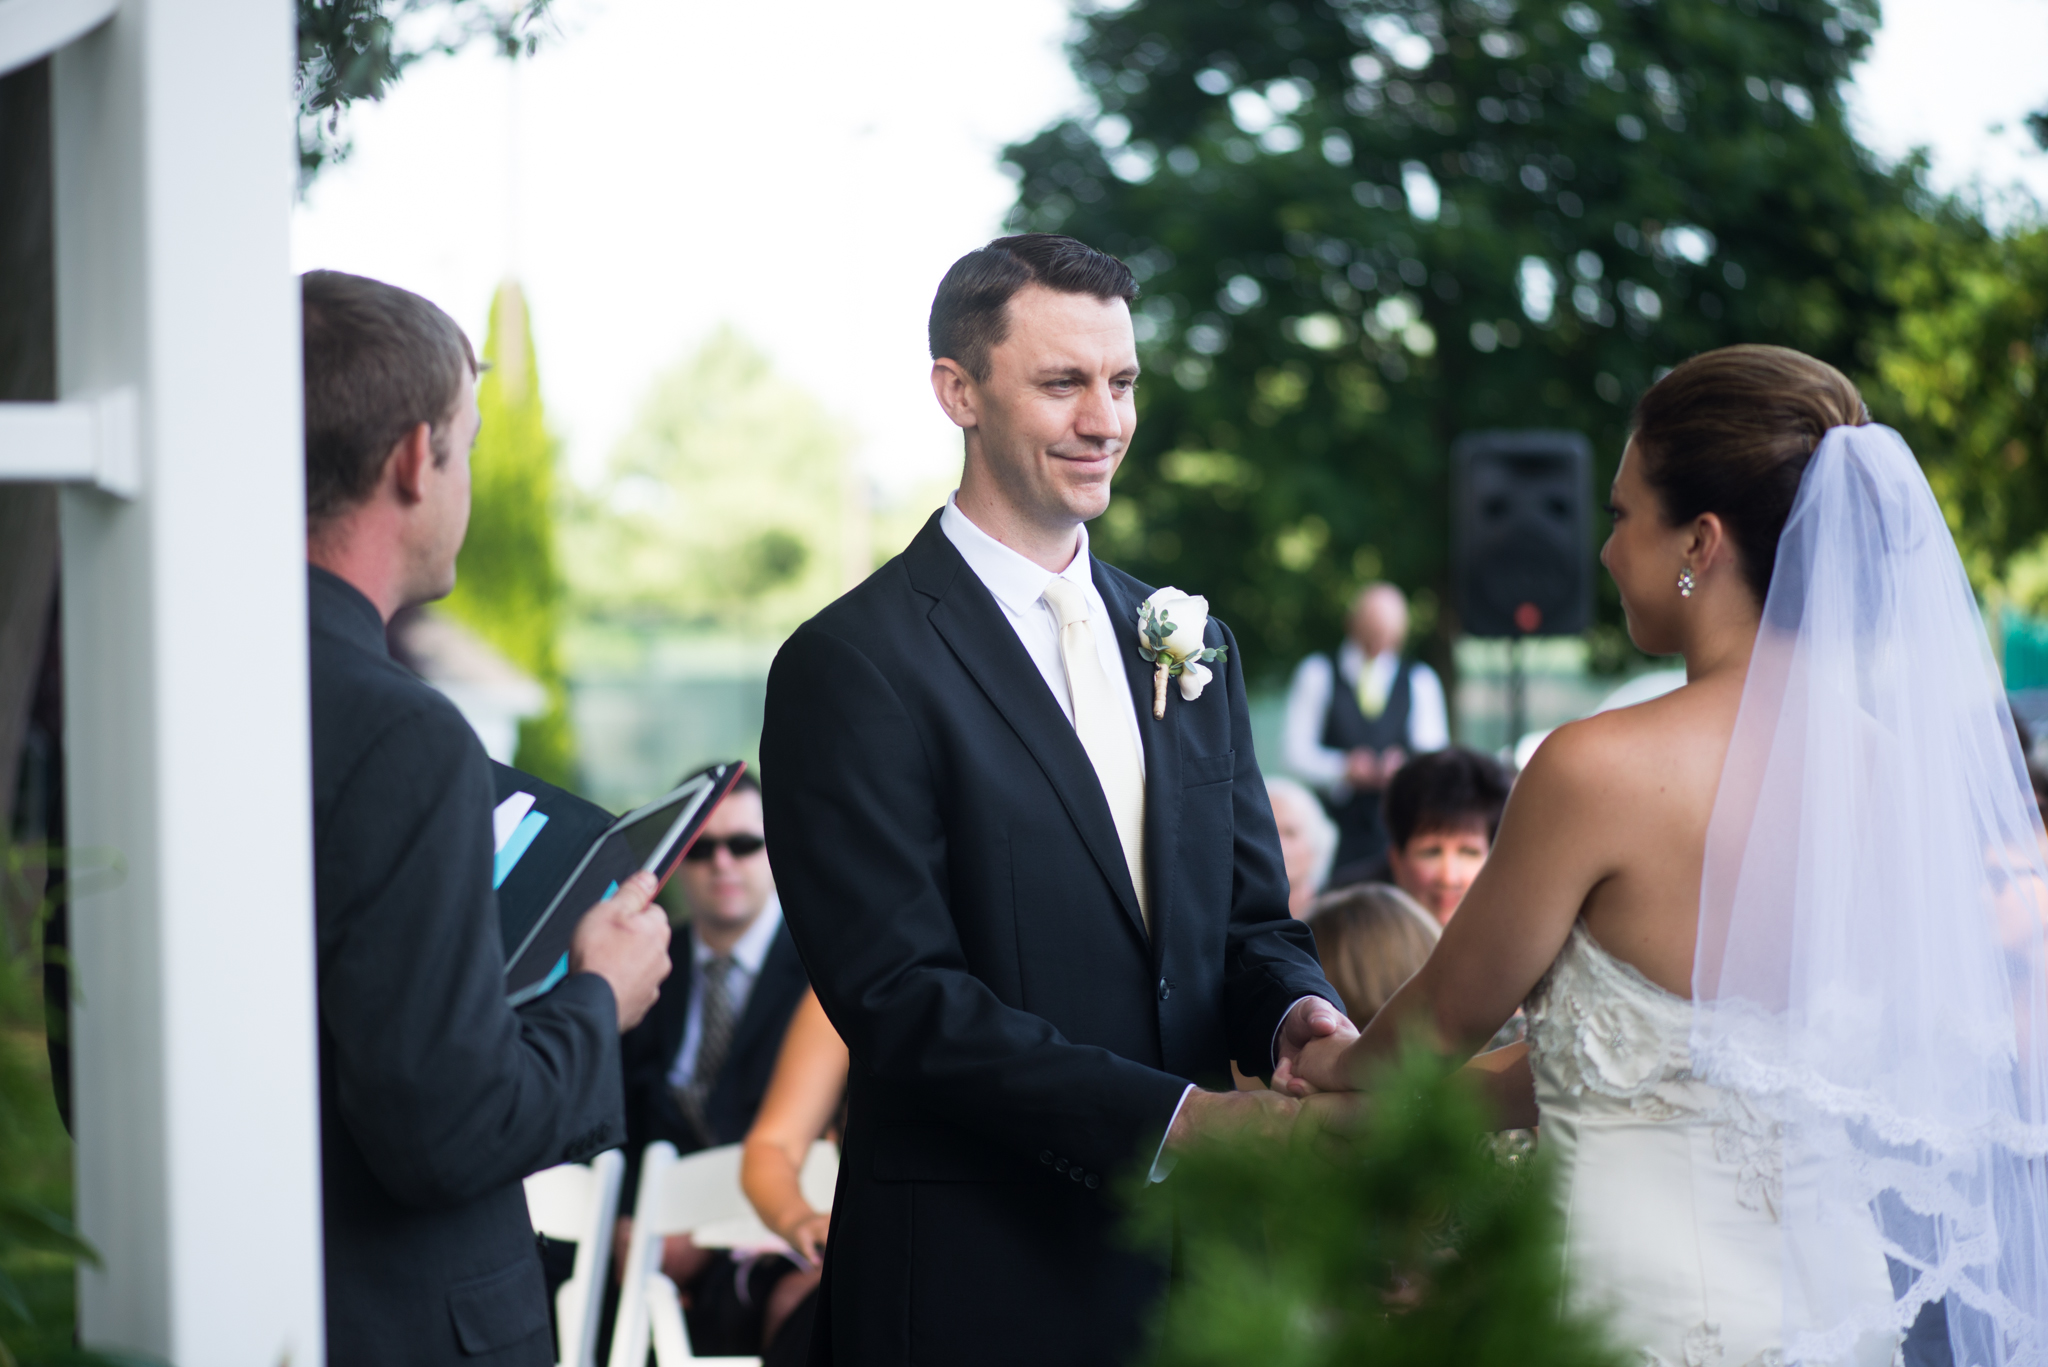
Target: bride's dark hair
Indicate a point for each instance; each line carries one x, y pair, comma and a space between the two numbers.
1730, 431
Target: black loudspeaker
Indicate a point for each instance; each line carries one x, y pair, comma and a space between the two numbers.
1522, 546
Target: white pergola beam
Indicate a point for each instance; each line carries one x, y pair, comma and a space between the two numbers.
33, 29
188, 766
86, 441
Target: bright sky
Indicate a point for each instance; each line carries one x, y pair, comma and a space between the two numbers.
808, 170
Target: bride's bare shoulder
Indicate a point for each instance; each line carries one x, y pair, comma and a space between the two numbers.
1622, 753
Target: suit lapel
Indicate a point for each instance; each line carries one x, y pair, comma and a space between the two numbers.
674, 1002
971, 622
1162, 750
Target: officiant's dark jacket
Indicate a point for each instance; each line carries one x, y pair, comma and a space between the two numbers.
649, 1052
435, 1097
948, 864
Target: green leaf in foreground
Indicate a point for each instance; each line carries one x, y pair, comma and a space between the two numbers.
1396, 1236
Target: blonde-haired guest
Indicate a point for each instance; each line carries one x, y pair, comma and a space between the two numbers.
1371, 937
1308, 840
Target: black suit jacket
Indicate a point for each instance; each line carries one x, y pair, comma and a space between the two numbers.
950, 869
435, 1097
649, 1050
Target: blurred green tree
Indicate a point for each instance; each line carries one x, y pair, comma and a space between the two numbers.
507, 585
1963, 374
1363, 228
353, 50
732, 503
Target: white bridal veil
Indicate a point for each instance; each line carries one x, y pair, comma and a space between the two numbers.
1870, 963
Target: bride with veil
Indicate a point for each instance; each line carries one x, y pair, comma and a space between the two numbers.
1779, 933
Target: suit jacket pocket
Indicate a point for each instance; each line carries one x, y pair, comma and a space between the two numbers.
500, 1308
1197, 770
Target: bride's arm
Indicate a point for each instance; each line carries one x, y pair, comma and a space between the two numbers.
1559, 838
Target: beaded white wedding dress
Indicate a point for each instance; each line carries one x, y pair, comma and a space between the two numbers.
1843, 1132
1670, 1187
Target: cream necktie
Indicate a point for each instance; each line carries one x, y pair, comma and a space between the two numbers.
1099, 711
1372, 690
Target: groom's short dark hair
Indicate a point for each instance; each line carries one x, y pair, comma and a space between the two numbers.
970, 314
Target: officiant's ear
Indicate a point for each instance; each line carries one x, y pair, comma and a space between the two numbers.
957, 392
406, 467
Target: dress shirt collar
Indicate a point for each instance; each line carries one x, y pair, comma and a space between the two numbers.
751, 949
339, 607
1352, 662
1016, 581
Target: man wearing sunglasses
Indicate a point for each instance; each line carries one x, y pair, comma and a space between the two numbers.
697, 1067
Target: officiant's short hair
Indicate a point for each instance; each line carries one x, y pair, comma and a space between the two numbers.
970, 313
379, 361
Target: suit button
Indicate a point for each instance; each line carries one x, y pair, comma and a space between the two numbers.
1060, 1165
1045, 1157
1075, 1173
1165, 989
1091, 1181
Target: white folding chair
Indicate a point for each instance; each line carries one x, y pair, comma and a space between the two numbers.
576, 1202
693, 1195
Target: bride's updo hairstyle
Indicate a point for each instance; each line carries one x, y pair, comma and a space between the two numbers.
1730, 431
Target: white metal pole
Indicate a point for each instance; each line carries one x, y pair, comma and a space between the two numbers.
185, 690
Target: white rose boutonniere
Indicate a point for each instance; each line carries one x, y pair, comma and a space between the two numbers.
1170, 629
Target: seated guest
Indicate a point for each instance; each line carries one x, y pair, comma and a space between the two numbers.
698, 1065
1371, 938
436, 1097
1441, 812
1308, 840
803, 1105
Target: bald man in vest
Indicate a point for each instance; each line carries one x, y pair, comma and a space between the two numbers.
1355, 716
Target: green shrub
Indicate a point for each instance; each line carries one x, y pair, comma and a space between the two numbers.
39, 1248
1403, 1234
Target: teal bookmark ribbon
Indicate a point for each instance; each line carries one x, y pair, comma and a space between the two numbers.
522, 836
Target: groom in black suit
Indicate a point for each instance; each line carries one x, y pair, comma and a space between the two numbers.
1044, 919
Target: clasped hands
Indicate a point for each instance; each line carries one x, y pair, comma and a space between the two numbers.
1308, 1079
1368, 768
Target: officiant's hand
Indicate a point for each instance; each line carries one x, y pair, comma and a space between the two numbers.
1226, 1115
624, 940
1315, 1030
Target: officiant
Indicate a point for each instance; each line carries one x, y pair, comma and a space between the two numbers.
436, 1098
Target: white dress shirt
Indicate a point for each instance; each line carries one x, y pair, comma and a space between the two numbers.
1308, 710
1018, 586
748, 954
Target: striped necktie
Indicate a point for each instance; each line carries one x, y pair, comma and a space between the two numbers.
714, 1042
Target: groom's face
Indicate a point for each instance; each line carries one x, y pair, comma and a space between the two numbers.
1054, 418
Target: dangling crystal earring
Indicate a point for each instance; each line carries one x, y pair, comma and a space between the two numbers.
1685, 582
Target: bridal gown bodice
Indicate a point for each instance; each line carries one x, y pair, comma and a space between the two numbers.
1669, 1186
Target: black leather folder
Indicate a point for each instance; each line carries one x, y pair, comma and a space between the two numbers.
557, 867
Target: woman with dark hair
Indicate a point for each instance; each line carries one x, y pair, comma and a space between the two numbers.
1779, 932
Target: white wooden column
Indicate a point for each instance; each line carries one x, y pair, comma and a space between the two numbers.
185, 683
